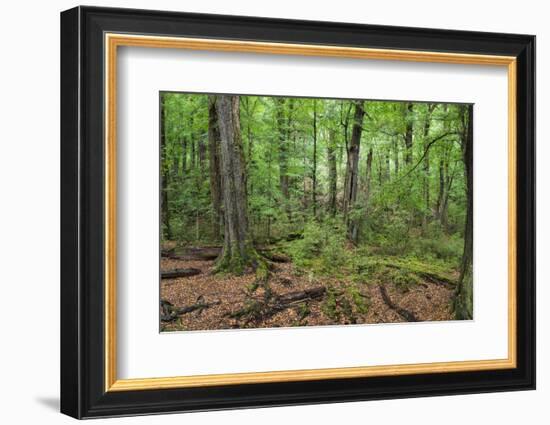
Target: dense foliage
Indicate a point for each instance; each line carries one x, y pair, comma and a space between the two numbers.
334, 182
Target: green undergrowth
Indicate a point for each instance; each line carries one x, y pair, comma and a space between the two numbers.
346, 304
324, 252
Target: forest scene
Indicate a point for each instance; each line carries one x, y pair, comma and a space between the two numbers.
284, 211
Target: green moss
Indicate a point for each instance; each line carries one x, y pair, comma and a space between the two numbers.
235, 262
345, 304
403, 272
360, 301
329, 306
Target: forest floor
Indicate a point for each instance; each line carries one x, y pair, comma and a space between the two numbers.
398, 292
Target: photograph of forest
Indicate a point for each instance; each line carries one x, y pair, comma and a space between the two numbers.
287, 211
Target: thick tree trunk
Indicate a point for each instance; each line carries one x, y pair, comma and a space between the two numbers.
164, 172
352, 168
463, 304
215, 175
409, 134
238, 251
332, 173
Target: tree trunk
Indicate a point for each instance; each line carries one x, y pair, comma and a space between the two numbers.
314, 170
441, 206
193, 159
463, 304
332, 173
369, 176
183, 157
283, 149
396, 155
164, 207
409, 134
426, 180
238, 251
214, 162
350, 188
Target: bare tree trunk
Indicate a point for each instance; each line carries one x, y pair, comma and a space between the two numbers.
332, 173
214, 162
463, 304
352, 168
238, 251
164, 171
409, 134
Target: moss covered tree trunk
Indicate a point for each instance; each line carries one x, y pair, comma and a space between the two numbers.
238, 252
463, 304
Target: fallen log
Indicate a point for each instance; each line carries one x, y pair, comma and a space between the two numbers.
260, 309
405, 314
168, 253
212, 252
432, 277
172, 274
169, 312
311, 293
276, 257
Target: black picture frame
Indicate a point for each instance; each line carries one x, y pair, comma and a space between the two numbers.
83, 392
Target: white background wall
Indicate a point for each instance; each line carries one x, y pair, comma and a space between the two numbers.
29, 212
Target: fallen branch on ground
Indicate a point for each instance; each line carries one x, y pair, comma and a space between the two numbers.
261, 309
405, 314
172, 274
170, 312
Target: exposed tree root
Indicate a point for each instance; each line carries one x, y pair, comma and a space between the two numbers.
171, 274
405, 314
169, 312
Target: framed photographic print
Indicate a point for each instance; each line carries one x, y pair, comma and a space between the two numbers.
261, 212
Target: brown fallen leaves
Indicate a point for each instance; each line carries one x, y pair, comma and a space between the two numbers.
426, 301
